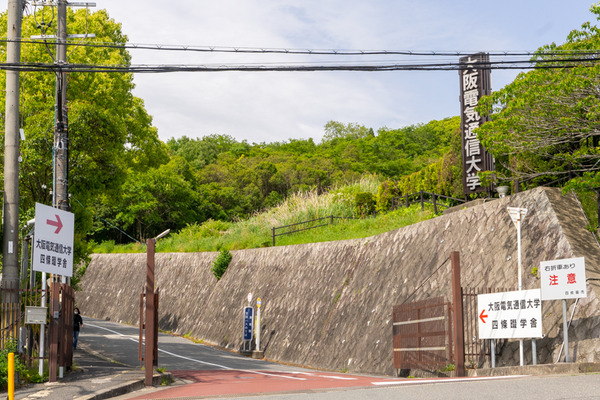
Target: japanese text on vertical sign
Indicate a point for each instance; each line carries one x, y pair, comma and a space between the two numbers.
474, 85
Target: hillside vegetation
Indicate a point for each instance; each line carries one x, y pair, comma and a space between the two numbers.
214, 235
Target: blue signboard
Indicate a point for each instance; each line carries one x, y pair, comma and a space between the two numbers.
248, 322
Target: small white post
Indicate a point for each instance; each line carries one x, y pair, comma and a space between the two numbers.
258, 303
42, 327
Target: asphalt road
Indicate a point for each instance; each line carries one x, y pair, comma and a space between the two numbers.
120, 343
204, 372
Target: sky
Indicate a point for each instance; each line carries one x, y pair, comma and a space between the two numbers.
278, 106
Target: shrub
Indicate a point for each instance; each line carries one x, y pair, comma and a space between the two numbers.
221, 263
9, 347
387, 190
364, 203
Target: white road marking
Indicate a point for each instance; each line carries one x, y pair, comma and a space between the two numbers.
198, 361
342, 378
417, 381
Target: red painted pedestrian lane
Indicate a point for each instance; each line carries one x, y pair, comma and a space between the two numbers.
233, 382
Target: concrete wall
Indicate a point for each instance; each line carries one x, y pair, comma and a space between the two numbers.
329, 305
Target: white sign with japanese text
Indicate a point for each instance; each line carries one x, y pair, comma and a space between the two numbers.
563, 279
510, 315
53, 240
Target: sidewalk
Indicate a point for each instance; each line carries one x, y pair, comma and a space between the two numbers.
94, 377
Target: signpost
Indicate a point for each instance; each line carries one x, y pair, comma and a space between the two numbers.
52, 251
510, 315
53, 240
562, 280
248, 327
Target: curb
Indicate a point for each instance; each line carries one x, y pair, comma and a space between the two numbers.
128, 387
542, 369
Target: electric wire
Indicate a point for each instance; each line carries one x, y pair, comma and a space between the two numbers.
297, 51
425, 280
107, 222
445, 66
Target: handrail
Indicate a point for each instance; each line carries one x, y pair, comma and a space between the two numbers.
421, 199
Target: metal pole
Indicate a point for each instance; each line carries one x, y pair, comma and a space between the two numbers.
566, 330
457, 315
519, 253
493, 351
149, 351
10, 267
520, 279
534, 351
258, 327
43, 326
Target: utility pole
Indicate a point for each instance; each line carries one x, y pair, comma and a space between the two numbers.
60, 161
10, 267
60, 192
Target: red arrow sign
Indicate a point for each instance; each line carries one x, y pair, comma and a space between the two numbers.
482, 316
58, 223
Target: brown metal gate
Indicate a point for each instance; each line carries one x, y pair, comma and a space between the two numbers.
422, 334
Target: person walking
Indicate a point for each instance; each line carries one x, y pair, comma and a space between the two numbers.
77, 326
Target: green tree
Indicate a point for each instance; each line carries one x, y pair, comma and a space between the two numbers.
546, 124
110, 132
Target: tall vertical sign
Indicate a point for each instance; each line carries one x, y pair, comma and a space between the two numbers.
475, 83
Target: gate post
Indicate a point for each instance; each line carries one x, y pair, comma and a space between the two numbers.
457, 315
54, 331
149, 331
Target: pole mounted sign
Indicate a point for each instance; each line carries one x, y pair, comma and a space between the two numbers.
248, 323
510, 315
475, 82
563, 279
53, 240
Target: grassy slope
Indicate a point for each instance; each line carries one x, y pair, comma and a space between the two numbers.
257, 230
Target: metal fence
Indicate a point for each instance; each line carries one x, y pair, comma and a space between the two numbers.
477, 351
13, 330
28, 338
305, 225
422, 197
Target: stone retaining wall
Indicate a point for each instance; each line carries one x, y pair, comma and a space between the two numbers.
329, 305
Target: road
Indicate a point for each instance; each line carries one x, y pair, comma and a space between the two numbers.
203, 372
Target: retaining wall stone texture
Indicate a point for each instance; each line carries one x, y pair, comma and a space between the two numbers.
329, 305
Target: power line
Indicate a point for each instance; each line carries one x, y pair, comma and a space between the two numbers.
295, 51
166, 68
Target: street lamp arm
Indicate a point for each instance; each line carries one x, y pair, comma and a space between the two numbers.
162, 235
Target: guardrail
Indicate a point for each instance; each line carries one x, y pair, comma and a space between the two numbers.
424, 197
329, 220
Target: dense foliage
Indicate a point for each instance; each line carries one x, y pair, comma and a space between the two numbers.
546, 124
